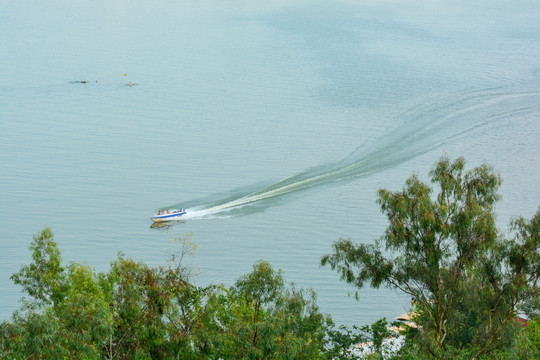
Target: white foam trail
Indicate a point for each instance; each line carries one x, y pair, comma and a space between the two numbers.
424, 131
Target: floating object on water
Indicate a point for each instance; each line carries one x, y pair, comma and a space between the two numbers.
168, 215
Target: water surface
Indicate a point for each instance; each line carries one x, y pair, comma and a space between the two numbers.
275, 124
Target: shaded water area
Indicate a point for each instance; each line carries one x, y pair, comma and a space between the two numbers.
273, 124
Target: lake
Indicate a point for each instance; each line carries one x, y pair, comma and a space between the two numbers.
273, 123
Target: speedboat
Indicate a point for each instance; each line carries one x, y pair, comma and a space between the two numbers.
168, 215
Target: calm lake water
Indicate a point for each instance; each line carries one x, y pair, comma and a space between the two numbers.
274, 123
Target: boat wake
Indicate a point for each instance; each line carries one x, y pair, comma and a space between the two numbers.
424, 127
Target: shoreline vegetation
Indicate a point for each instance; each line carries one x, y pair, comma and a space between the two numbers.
468, 283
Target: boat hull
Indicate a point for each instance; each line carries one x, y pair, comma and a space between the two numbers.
168, 217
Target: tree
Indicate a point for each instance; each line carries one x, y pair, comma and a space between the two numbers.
134, 311
265, 319
32, 335
343, 342
44, 278
85, 318
158, 312
68, 317
444, 250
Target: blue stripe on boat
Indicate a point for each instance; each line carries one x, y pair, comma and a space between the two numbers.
168, 215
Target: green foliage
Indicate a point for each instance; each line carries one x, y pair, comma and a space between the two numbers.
444, 250
440, 247
341, 340
84, 316
532, 331
32, 335
378, 331
265, 319
44, 278
138, 312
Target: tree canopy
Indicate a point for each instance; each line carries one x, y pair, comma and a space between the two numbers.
442, 248
138, 312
